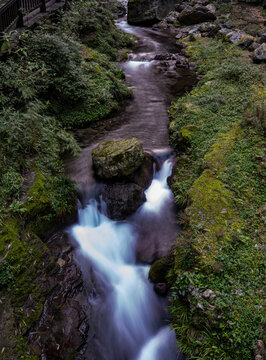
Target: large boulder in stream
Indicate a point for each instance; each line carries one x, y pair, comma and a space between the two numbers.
147, 12
196, 15
117, 159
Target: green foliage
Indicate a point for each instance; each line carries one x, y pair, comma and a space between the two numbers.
93, 23
50, 83
220, 181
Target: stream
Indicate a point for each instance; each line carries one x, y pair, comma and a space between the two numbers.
129, 321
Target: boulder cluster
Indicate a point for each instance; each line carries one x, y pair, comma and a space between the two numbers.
200, 18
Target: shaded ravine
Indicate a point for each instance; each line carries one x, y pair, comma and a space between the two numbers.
128, 321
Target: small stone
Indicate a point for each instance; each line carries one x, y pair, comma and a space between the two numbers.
199, 306
260, 348
260, 54
61, 262
239, 293
235, 36
228, 24
211, 8
253, 46
207, 293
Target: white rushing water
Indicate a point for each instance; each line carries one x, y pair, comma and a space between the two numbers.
133, 317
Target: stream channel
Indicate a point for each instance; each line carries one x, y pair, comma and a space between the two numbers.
130, 321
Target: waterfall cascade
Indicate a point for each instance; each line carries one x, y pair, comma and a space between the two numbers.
133, 324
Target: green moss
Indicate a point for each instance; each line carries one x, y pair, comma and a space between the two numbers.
159, 270
216, 158
219, 180
52, 81
211, 213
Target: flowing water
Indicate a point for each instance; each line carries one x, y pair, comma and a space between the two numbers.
132, 322
128, 320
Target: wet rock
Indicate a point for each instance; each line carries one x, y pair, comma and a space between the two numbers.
144, 174
159, 270
166, 56
182, 62
60, 329
117, 159
122, 200
260, 54
121, 9
161, 289
196, 15
148, 11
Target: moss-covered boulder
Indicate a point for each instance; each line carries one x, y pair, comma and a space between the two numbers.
117, 159
159, 270
149, 11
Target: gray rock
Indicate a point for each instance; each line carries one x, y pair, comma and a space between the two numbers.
260, 54
207, 293
235, 36
211, 8
224, 31
229, 24
172, 17
209, 28
181, 7
260, 349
